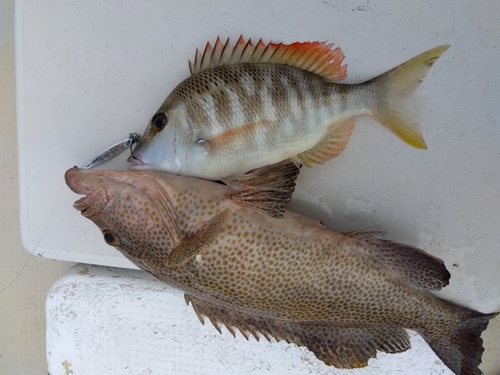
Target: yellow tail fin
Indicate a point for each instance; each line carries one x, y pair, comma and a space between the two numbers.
396, 87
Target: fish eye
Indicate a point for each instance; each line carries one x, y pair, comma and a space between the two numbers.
110, 237
159, 121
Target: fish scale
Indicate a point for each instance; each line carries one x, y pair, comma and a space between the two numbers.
249, 240
247, 106
314, 103
342, 295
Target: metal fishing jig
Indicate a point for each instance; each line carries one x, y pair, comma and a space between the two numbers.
113, 151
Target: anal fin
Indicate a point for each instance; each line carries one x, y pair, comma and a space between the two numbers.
330, 146
336, 344
194, 245
267, 189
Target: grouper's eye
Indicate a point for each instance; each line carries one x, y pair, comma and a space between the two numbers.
159, 121
110, 237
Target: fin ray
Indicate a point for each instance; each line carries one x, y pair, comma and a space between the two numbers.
330, 146
267, 189
421, 270
343, 346
316, 57
396, 87
461, 347
196, 244
230, 136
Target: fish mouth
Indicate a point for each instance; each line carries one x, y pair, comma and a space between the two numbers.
75, 181
82, 204
137, 164
83, 182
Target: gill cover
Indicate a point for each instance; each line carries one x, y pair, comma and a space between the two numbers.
161, 146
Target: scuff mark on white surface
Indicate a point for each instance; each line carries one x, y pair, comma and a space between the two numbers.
148, 329
84, 271
358, 207
301, 194
67, 366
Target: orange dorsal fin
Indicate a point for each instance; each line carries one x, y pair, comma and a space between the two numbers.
315, 57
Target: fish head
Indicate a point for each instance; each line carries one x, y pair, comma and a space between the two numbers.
165, 142
131, 211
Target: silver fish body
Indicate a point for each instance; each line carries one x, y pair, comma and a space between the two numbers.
343, 296
230, 116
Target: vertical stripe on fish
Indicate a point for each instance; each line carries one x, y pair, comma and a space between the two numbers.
256, 105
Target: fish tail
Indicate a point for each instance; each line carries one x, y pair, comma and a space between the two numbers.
461, 347
394, 95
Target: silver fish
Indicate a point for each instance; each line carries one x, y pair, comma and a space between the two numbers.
344, 296
248, 106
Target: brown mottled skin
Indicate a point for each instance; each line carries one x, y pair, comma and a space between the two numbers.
342, 295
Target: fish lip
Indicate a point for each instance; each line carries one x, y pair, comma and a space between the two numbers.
82, 204
136, 162
71, 177
138, 165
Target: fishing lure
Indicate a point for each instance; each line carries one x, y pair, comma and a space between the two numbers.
113, 151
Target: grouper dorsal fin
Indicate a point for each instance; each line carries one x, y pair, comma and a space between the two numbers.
315, 57
338, 344
267, 189
198, 242
416, 267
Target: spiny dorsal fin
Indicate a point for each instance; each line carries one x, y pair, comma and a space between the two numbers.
316, 57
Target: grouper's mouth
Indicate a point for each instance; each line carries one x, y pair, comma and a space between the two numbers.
79, 201
82, 204
85, 184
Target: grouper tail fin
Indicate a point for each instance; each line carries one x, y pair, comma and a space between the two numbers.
462, 347
395, 89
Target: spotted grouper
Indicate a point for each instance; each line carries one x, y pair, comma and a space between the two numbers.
344, 296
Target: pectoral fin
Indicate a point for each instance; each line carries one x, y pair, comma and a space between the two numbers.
232, 136
267, 189
330, 146
194, 245
338, 344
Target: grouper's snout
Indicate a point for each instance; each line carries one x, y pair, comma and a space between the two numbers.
95, 198
102, 187
75, 181
85, 181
